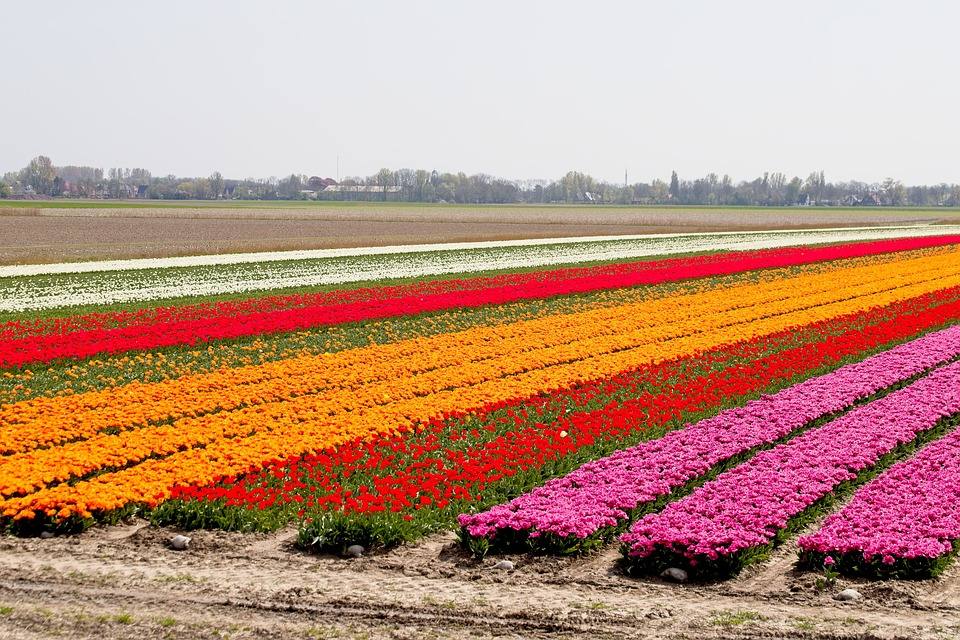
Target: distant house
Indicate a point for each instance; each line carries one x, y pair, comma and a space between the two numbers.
318, 184
24, 192
865, 200
360, 188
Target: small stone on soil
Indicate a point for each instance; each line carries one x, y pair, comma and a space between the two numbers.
848, 595
46, 535
675, 574
355, 550
180, 543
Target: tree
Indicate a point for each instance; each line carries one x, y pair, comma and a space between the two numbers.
793, 191
290, 187
216, 184
815, 185
407, 181
201, 188
384, 179
538, 193
659, 191
916, 196
674, 186
4, 190
39, 174
894, 193
726, 189
115, 177
422, 178
954, 199
139, 176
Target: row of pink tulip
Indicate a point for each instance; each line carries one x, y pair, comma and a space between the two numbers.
733, 519
905, 523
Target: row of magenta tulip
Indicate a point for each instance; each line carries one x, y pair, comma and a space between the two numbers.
598, 499
738, 517
903, 524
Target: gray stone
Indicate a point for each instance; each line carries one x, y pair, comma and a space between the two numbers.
180, 543
675, 574
355, 550
848, 595
46, 535
504, 565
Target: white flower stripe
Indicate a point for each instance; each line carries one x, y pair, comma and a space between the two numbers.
159, 279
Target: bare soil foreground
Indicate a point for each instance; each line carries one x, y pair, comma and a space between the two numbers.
34, 234
124, 582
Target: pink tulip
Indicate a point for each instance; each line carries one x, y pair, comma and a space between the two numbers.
744, 508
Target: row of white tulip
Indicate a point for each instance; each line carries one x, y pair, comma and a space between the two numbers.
39, 287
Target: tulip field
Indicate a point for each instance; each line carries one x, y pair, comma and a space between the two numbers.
693, 400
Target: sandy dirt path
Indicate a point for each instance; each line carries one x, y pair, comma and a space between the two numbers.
124, 582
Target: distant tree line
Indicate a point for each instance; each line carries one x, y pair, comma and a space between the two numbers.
41, 178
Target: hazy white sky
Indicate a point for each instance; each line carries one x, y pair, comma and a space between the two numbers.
521, 89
